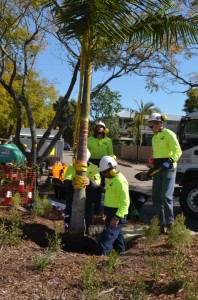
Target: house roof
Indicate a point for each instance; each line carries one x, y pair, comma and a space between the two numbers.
128, 114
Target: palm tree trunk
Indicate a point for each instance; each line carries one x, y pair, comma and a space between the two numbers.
77, 225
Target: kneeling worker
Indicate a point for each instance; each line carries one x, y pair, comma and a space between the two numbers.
116, 204
92, 182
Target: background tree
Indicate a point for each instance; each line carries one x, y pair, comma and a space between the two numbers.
140, 119
69, 109
191, 103
105, 104
23, 30
40, 96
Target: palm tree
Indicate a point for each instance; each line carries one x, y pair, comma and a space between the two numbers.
102, 24
140, 117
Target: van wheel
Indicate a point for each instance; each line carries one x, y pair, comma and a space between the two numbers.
189, 200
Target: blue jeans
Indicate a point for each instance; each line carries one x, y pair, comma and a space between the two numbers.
162, 195
111, 237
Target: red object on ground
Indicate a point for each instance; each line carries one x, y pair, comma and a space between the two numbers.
29, 195
8, 198
21, 190
21, 187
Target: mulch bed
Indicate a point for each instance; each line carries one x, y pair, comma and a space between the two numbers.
21, 279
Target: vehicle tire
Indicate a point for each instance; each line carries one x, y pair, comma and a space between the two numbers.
189, 200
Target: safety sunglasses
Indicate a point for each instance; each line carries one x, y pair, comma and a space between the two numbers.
151, 126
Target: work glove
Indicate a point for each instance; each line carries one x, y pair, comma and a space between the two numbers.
149, 173
142, 176
167, 164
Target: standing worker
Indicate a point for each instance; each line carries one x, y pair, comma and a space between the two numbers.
166, 152
99, 145
116, 204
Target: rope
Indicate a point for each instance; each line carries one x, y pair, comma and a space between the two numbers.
79, 180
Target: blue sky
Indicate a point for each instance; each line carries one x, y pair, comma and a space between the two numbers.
55, 70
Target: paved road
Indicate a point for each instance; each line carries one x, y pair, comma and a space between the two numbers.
129, 170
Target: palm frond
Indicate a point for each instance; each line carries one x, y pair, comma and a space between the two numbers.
163, 30
107, 18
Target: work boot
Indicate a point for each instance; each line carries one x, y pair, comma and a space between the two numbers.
163, 229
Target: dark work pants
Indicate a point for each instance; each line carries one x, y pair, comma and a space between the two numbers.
97, 204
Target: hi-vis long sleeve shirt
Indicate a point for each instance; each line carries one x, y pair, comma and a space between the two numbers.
92, 173
117, 194
100, 147
166, 145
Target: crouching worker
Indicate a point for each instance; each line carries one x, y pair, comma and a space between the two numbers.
92, 182
116, 204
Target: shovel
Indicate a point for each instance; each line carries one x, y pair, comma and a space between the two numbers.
142, 176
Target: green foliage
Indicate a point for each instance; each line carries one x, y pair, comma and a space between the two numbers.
40, 96
68, 110
180, 239
54, 245
138, 288
43, 260
105, 104
90, 277
190, 289
41, 206
153, 231
54, 240
156, 266
179, 236
113, 261
10, 231
20, 45
177, 266
140, 119
191, 103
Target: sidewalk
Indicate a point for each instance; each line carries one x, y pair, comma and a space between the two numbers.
129, 170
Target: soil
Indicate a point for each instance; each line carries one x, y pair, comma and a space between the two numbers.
129, 276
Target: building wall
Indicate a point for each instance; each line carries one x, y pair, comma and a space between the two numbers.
136, 154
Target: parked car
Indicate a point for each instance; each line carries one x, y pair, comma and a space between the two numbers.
67, 146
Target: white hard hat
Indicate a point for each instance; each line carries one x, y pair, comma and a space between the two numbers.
101, 124
88, 154
107, 162
155, 117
